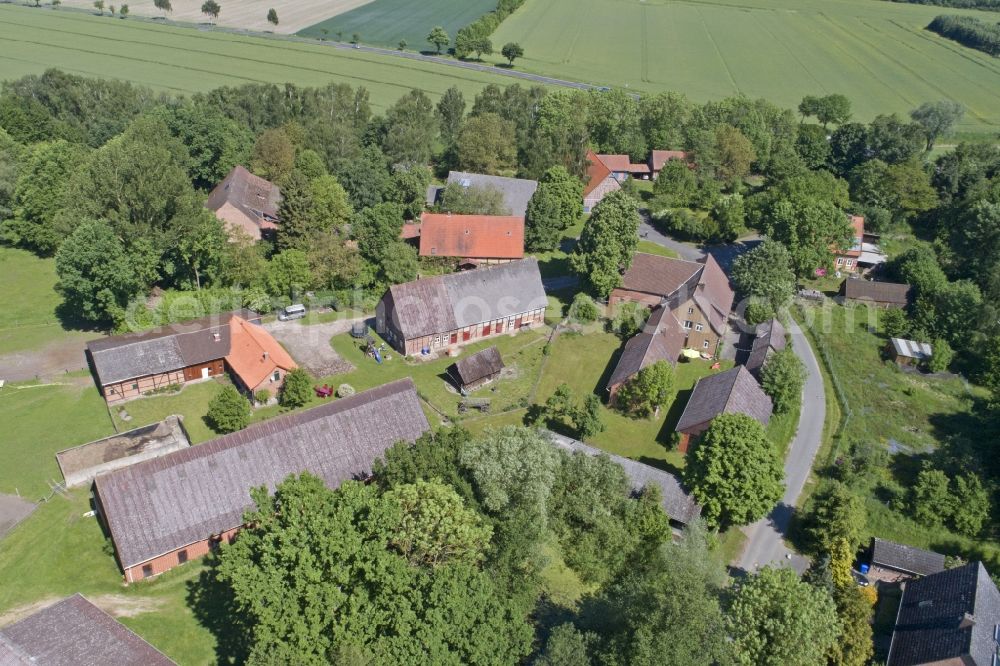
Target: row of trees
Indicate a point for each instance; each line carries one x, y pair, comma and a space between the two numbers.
968, 31
439, 561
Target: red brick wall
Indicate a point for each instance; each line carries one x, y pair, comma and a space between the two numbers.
170, 560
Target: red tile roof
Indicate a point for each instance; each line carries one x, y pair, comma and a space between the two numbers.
857, 235
596, 172
254, 354
660, 157
410, 230
472, 236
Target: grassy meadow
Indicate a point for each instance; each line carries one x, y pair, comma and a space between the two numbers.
876, 53
385, 22
185, 60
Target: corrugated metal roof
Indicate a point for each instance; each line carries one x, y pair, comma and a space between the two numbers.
912, 349
160, 505
75, 632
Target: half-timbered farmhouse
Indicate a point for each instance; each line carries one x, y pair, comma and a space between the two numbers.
435, 313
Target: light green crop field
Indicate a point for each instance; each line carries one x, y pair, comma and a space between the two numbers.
876, 53
187, 60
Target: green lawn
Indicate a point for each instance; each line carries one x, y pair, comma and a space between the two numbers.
58, 551
39, 421
28, 302
186, 60
876, 53
911, 412
385, 22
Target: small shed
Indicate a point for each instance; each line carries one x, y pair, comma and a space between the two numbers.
909, 352
882, 294
893, 562
476, 370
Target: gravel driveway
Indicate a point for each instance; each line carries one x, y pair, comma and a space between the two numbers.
310, 346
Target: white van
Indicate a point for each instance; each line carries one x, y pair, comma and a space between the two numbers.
297, 311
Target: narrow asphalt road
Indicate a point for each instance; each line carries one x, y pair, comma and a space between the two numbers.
765, 538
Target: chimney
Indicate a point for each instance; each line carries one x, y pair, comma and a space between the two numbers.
968, 620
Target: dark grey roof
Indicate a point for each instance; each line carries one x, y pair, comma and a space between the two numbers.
676, 502
164, 349
770, 336
160, 505
661, 339
878, 292
477, 366
734, 391
448, 302
949, 615
516, 191
251, 194
892, 555
75, 632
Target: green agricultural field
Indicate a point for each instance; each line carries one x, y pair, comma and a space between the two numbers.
185, 60
876, 53
385, 22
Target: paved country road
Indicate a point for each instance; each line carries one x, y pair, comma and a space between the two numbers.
765, 538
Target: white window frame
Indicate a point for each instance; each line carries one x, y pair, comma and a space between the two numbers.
699, 328
687, 325
704, 345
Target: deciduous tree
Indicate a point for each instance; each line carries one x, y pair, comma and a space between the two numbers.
297, 389
766, 272
608, 242
937, 118
438, 37
273, 155
486, 144
288, 273
272, 16
647, 390
211, 8
782, 379
228, 411
734, 472
410, 129
511, 51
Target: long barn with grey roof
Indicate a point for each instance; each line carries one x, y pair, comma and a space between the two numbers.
679, 506
165, 511
75, 632
516, 192
435, 313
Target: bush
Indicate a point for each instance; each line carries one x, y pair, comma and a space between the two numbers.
895, 323
228, 411
629, 319
941, 357
345, 390
969, 31
757, 311
297, 390
782, 378
262, 396
583, 309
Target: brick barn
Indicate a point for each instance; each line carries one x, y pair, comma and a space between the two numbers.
734, 391
697, 294
661, 339
435, 313
127, 366
164, 512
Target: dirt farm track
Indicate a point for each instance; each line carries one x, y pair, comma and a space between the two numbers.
246, 14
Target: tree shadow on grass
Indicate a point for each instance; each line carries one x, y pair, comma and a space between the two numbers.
215, 608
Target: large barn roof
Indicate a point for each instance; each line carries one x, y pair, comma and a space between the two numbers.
904, 558
516, 191
661, 339
160, 505
878, 292
254, 196
732, 391
448, 302
75, 632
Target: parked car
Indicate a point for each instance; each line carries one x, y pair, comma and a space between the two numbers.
297, 311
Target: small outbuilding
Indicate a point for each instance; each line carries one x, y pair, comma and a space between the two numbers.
909, 352
769, 339
734, 391
893, 562
476, 370
882, 294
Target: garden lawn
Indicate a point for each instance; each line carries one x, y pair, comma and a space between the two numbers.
57, 551
39, 421
522, 351
28, 301
191, 403
585, 361
879, 54
185, 60
910, 413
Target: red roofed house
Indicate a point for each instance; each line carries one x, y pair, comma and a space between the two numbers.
246, 204
847, 260
606, 173
473, 239
697, 293
255, 359
657, 158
